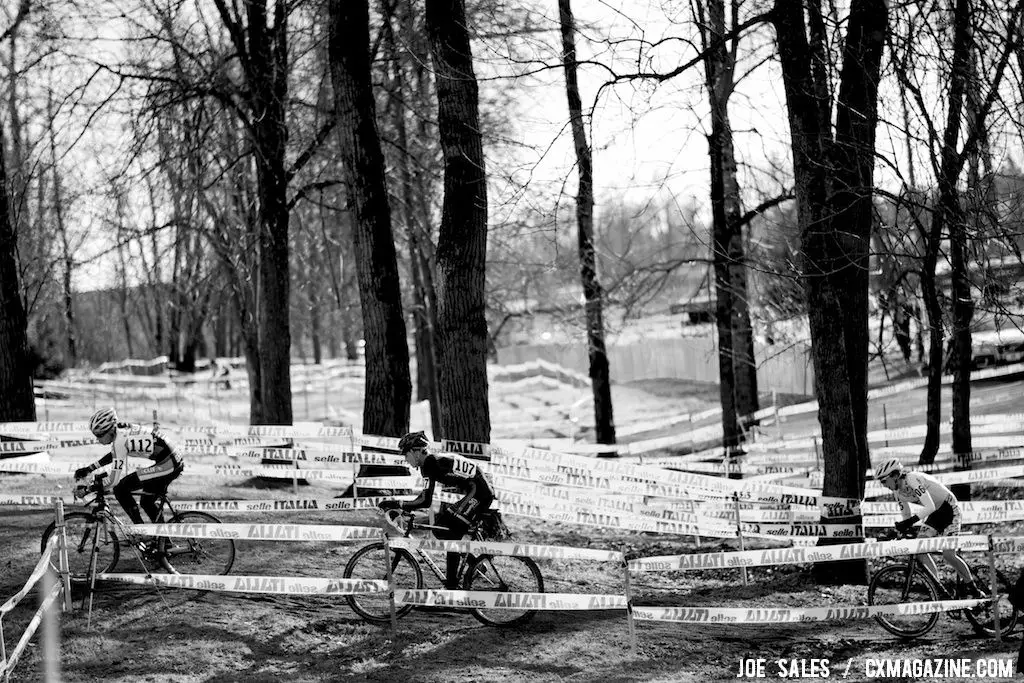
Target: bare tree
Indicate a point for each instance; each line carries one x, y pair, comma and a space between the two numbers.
600, 379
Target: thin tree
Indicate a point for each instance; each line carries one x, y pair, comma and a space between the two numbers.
736, 364
600, 380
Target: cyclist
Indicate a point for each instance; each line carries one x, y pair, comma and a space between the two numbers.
127, 440
941, 513
453, 471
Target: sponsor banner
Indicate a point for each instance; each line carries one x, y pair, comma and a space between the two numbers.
541, 552
34, 500
772, 615
779, 556
1008, 544
282, 505
470, 449
817, 530
262, 532
16, 428
28, 446
35, 467
518, 601
286, 585
268, 471
387, 442
303, 455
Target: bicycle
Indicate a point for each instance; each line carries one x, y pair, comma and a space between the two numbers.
910, 580
99, 530
501, 573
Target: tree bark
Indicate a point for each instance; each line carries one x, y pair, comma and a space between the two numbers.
388, 387
600, 375
462, 241
17, 400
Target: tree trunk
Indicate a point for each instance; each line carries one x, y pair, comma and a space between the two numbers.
462, 242
600, 379
417, 231
388, 387
17, 401
834, 178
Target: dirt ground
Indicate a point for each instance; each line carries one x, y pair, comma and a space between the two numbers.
139, 634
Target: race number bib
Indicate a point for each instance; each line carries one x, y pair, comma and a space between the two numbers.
463, 468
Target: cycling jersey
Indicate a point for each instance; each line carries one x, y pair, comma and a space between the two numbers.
941, 508
135, 441
456, 473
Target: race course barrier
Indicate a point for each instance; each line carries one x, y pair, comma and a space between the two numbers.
278, 585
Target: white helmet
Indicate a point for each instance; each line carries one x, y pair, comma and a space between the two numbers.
103, 422
891, 466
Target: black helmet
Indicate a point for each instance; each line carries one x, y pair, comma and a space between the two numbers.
413, 440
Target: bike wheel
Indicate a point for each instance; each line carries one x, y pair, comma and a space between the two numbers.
892, 586
369, 563
79, 528
983, 617
208, 556
504, 574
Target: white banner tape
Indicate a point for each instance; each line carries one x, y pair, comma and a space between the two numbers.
262, 532
544, 552
518, 601
771, 615
779, 556
288, 585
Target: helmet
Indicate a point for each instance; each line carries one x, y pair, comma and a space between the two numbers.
103, 421
413, 440
891, 466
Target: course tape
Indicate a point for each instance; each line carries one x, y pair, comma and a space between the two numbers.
519, 601
262, 532
31, 628
281, 505
42, 564
281, 585
780, 556
772, 615
543, 552
1008, 544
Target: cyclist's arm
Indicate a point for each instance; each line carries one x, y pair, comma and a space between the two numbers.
424, 500
105, 460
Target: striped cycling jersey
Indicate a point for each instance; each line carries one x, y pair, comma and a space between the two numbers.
925, 490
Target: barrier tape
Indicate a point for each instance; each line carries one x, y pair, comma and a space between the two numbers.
543, 552
494, 599
262, 532
768, 615
768, 529
33, 500
281, 505
1008, 544
281, 585
42, 564
31, 628
779, 556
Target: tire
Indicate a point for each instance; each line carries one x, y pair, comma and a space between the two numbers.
368, 563
890, 587
982, 619
79, 527
209, 556
504, 573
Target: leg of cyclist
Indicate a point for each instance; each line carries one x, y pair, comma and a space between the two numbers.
457, 528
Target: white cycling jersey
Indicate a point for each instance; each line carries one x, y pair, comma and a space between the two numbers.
925, 490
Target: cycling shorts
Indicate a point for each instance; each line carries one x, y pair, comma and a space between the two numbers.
945, 521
